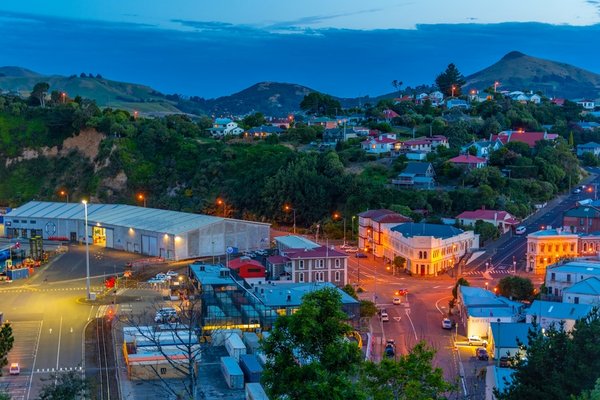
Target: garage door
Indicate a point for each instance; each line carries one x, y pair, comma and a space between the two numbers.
149, 245
110, 238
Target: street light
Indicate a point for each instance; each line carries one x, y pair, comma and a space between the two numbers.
353, 218
288, 208
221, 202
496, 84
87, 250
336, 215
142, 198
453, 89
64, 193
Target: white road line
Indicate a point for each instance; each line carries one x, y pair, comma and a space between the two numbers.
437, 304
59, 334
90, 314
411, 323
37, 346
435, 287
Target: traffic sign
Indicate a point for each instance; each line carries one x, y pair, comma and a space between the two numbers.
229, 250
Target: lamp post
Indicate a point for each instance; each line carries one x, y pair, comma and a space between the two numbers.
142, 198
514, 265
87, 250
337, 216
293, 210
353, 218
65, 194
496, 86
453, 89
220, 202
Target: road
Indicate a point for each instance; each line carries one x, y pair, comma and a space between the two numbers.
49, 317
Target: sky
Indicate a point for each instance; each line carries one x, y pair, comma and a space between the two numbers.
346, 48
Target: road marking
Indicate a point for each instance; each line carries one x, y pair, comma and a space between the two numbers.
449, 287
90, 314
407, 311
37, 346
397, 319
435, 287
58, 350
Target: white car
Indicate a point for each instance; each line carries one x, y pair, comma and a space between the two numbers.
351, 250
520, 230
446, 323
385, 317
172, 273
475, 340
156, 280
14, 369
163, 277
345, 246
396, 301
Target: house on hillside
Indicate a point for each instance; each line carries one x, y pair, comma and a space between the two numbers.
483, 148
457, 103
379, 145
502, 220
332, 136
225, 126
529, 138
325, 122
389, 115
420, 175
263, 131
587, 104
468, 161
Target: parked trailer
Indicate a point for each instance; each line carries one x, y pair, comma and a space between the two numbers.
232, 372
251, 367
255, 391
251, 341
234, 346
20, 273
219, 336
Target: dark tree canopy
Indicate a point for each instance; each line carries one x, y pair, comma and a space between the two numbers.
451, 77
320, 104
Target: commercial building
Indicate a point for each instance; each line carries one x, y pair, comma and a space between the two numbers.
563, 276
371, 226
168, 234
429, 249
549, 246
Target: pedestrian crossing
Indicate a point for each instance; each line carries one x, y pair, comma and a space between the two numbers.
37, 289
491, 271
55, 370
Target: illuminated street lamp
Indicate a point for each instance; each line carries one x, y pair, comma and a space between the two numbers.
453, 89
65, 194
63, 97
221, 202
87, 250
142, 198
496, 84
288, 208
336, 215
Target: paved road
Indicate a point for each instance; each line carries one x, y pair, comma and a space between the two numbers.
48, 318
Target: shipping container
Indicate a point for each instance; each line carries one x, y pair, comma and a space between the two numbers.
255, 391
262, 358
234, 346
219, 336
15, 274
252, 342
232, 372
251, 367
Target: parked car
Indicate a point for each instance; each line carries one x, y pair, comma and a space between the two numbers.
14, 369
385, 317
520, 230
346, 246
576, 191
167, 314
446, 323
163, 276
475, 340
156, 280
171, 273
482, 354
390, 348
397, 301
504, 362
360, 255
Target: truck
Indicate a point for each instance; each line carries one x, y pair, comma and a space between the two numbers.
234, 346
232, 373
251, 367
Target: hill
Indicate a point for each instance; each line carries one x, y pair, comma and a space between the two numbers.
106, 92
518, 71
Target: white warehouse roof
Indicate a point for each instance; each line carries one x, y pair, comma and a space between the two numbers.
143, 218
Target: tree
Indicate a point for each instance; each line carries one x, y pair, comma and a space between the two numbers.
399, 263
319, 103
65, 386
459, 282
253, 120
516, 288
411, 377
397, 85
451, 77
39, 93
6, 344
486, 230
308, 356
593, 394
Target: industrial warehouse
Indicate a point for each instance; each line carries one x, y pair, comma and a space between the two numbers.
168, 234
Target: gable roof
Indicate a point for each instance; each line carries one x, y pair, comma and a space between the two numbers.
486, 215
239, 262
372, 214
588, 145
589, 286
506, 334
319, 252
467, 159
559, 311
483, 303
412, 229
417, 168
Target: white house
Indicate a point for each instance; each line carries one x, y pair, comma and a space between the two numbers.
548, 313
378, 145
225, 126
500, 219
585, 292
567, 275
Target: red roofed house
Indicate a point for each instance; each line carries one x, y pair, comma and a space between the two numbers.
320, 264
529, 138
388, 115
378, 145
501, 219
469, 161
371, 225
248, 268
424, 144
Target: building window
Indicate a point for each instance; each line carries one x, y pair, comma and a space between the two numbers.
33, 222
585, 247
553, 276
576, 300
581, 221
424, 254
542, 248
163, 371
572, 247
568, 277
301, 277
337, 276
337, 262
319, 276
321, 263
301, 264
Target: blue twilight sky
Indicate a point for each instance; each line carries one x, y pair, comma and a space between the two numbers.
346, 48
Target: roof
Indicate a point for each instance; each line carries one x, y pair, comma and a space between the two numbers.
552, 232
589, 286
529, 138
467, 159
277, 259
318, 252
578, 267
296, 242
383, 140
210, 274
416, 142
372, 214
483, 303
589, 145
582, 212
265, 129
559, 311
223, 121
506, 334
503, 377
384, 216
417, 168
144, 218
390, 114
274, 295
485, 215
239, 262
412, 229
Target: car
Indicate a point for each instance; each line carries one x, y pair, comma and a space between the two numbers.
401, 292
14, 369
390, 348
171, 273
156, 280
360, 255
345, 246
576, 191
385, 317
504, 362
166, 314
520, 230
397, 300
446, 323
482, 354
351, 250
163, 276
475, 340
